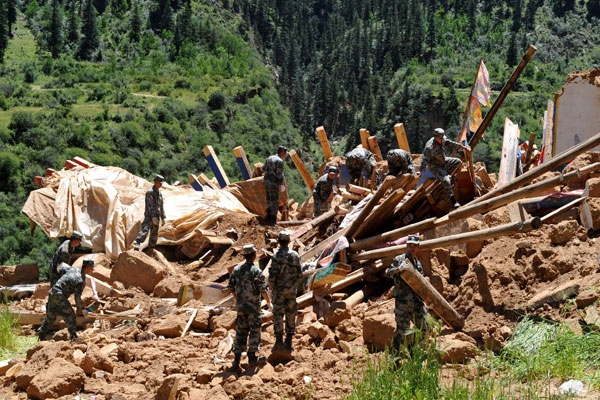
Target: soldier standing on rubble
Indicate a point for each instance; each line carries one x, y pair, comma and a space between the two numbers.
274, 181
358, 159
153, 214
434, 157
399, 162
247, 283
322, 190
284, 275
63, 255
409, 306
71, 282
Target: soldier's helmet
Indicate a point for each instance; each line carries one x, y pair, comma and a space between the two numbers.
439, 132
88, 263
281, 149
332, 170
76, 235
413, 239
159, 178
284, 236
248, 249
391, 155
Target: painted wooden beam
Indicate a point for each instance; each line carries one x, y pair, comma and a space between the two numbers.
374, 147
324, 142
193, 180
205, 181
215, 165
38, 181
50, 171
401, 137
242, 160
302, 168
70, 164
81, 161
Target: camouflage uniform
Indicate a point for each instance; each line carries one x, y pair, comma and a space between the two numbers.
409, 305
72, 281
272, 179
434, 157
284, 275
399, 162
321, 193
247, 282
62, 255
358, 159
153, 212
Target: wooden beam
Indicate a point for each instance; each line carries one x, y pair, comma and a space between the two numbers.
326, 216
81, 161
324, 142
548, 137
318, 249
373, 201
401, 137
530, 144
193, 180
508, 160
374, 146
548, 217
242, 160
302, 169
215, 166
364, 138
205, 181
70, 164
189, 323
50, 172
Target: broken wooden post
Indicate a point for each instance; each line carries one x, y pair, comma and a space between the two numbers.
307, 255
385, 209
469, 157
242, 160
401, 137
530, 144
387, 183
392, 235
548, 217
548, 137
205, 181
215, 166
324, 142
374, 146
82, 161
508, 160
364, 138
482, 234
189, 323
193, 180
70, 164
542, 169
432, 297
302, 169
326, 216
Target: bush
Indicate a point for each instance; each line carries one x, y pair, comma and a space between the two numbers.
182, 84
4, 103
8, 329
22, 121
216, 100
30, 73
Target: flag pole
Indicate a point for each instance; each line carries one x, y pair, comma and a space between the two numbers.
466, 113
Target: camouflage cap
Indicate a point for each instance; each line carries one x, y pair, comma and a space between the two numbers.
76, 235
248, 249
284, 236
159, 178
439, 132
413, 239
88, 263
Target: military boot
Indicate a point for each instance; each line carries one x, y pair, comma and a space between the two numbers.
288, 343
278, 342
455, 203
253, 360
42, 334
235, 367
136, 246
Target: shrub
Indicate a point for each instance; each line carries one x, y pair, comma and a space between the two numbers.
30, 73
216, 100
4, 103
21, 121
182, 84
8, 329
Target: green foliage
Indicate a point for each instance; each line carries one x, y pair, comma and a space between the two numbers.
8, 329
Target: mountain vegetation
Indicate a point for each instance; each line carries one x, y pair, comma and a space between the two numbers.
146, 84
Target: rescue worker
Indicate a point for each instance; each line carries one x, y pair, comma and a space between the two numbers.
63, 255
409, 306
247, 283
71, 282
359, 159
399, 162
440, 166
322, 191
154, 213
274, 181
284, 275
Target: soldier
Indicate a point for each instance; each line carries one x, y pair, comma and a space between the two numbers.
274, 181
284, 275
358, 159
154, 213
63, 255
247, 283
441, 166
409, 306
399, 162
322, 190
72, 281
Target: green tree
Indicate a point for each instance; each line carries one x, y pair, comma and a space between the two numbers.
89, 42
593, 8
161, 16
55, 34
3, 29
73, 26
12, 14
136, 23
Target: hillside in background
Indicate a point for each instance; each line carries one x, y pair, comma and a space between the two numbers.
146, 84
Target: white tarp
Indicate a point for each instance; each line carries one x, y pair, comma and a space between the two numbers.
106, 204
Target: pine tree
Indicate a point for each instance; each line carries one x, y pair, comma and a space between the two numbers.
73, 26
3, 29
89, 30
511, 52
593, 8
12, 14
55, 36
161, 16
183, 27
136, 23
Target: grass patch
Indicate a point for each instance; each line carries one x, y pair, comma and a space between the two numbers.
8, 329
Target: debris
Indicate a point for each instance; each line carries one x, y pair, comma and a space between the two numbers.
571, 388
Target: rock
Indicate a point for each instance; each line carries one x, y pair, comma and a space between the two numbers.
587, 297
17, 274
169, 326
590, 213
240, 387
267, 373
203, 376
505, 332
524, 244
135, 268
201, 321
553, 295
41, 290
329, 341
78, 357
457, 347
318, 331
499, 216
337, 313
169, 287
225, 320
592, 318
349, 329
378, 330
346, 347
96, 360
169, 385
563, 231
38, 358
59, 378
592, 187
473, 248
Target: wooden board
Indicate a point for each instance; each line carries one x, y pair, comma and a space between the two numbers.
324, 142
548, 136
401, 137
364, 138
374, 146
215, 166
242, 160
302, 169
508, 162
